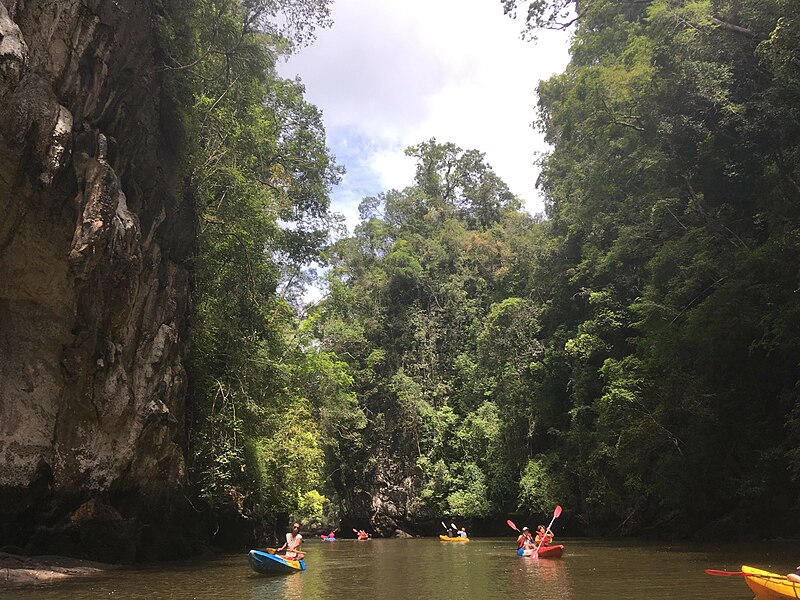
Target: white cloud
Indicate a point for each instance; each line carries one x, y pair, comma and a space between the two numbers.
393, 73
395, 170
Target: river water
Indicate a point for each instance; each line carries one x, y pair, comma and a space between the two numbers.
422, 569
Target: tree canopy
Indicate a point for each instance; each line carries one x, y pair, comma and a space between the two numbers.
631, 354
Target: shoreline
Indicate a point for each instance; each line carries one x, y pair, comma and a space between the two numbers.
26, 571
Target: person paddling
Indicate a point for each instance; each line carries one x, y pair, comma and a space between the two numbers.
525, 540
293, 541
542, 537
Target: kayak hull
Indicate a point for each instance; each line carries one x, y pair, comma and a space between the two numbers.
446, 538
770, 586
544, 552
272, 564
325, 538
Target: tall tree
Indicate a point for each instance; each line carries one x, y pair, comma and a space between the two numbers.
259, 175
670, 202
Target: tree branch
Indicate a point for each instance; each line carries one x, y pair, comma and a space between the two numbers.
736, 28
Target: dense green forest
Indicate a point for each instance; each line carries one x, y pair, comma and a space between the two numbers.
261, 395
632, 354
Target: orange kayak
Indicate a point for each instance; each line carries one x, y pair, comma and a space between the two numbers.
771, 586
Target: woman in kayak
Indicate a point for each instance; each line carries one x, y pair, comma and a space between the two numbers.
293, 541
543, 538
525, 540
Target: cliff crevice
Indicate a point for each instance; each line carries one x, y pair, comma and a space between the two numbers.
93, 307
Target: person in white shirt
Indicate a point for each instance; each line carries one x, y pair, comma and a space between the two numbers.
293, 541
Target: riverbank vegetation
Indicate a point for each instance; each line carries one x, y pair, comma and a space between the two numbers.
632, 354
262, 398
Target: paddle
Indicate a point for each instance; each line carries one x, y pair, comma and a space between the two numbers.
298, 556
274, 551
740, 573
556, 513
446, 530
510, 523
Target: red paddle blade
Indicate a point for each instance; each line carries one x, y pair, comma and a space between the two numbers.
742, 573
557, 512
510, 523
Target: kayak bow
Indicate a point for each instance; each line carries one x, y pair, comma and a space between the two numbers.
770, 585
270, 564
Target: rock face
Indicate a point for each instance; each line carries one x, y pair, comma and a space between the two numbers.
385, 505
94, 236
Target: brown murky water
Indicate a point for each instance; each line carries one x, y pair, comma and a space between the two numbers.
420, 569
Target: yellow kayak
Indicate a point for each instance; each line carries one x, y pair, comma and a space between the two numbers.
446, 538
770, 585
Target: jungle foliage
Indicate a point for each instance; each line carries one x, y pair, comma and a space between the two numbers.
263, 398
633, 354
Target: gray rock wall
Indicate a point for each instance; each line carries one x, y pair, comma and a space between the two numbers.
94, 236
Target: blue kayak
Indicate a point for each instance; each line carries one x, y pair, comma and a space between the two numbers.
269, 564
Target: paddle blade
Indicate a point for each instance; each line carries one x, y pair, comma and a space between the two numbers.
510, 523
453, 526
743, 574
557, 512
443, 525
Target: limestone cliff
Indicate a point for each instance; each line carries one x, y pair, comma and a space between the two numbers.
94, 237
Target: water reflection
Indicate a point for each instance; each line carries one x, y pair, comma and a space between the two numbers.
269, 587
425, 569
547, 578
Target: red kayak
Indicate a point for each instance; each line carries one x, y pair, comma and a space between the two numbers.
551, 551
544, 551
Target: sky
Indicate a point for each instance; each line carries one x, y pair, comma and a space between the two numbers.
393, 73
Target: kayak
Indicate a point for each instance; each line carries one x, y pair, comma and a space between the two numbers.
544, 551
770, 585
447, 538
325, 538
269, 564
